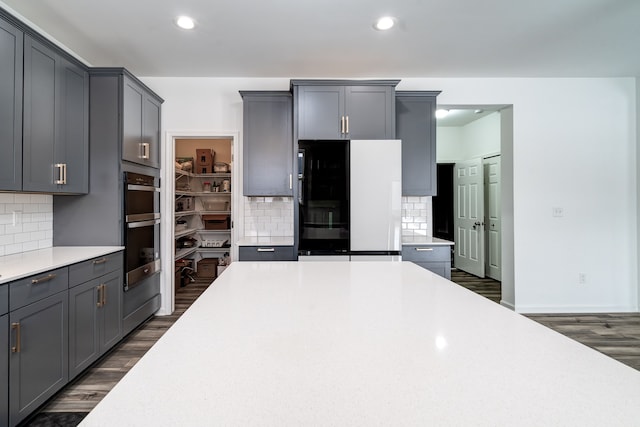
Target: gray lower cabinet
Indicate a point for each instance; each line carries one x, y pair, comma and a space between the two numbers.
266, 253
4, 370
435, 258
10, 107
334, 109
416, 127
38, 362
55, 122
95, 319
140, 123
267, 143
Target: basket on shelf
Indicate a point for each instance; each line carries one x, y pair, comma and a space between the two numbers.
213, 204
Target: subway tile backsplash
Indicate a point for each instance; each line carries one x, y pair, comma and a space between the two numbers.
417, 216
268, 216
33, 225
273, 216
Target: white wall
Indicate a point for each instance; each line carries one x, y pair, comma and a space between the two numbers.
574, 147
479, 138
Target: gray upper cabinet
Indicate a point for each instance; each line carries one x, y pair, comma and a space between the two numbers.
416, 127
10, 107
56, 122
338, 109
141, 124
267, 143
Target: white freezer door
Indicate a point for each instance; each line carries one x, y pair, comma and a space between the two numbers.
376, 195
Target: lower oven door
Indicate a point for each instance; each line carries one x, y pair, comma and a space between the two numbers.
142, 251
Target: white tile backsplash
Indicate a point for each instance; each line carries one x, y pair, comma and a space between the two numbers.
34, 226
268, 216
417, 217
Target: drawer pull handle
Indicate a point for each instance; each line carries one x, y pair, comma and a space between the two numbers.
100, 261
47, 278
424, 249
266, 250
16, 348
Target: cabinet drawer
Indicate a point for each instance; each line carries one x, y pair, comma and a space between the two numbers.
426, 253
34, 288
96, 267
4, 299
266, 253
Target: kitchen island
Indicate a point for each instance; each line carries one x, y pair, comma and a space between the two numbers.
364, 343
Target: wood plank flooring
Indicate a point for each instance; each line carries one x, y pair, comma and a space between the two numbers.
616, 335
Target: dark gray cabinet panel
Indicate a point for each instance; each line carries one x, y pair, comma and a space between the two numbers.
34, 288
38, 359
141, 125
10, 107
370, 112
95, 320
416, 127
266, 253
267, 144
436, 258
96, 267
4, 370
336, 109
56, 127
320, 112
4, 299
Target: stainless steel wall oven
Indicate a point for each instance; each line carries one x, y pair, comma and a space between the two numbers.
142, 227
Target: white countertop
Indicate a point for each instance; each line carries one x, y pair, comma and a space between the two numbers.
266, 241
361, 344
17, 266
418, 239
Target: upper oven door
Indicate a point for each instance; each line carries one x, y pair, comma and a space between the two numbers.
142, 198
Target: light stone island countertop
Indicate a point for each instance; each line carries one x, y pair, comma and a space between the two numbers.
17, 266
362, 344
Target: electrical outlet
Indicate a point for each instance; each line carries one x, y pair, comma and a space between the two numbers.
557, 212
582, 278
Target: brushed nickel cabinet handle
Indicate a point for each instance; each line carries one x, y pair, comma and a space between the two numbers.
99, 289
266, 250
347, 131
290, 182
342, 125
16, 327
424, 249
44, 279
100, 261
145, 150
64, 173
104, 294
60, 167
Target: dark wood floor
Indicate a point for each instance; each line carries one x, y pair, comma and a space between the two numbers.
617, 335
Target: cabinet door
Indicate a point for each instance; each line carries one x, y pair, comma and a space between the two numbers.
370, 112
415, 126
320, 109
151, 131
72, 142
39, 117
133, 97
267, 145
83, 326
38, 362
111, 310
4, 370
10, 107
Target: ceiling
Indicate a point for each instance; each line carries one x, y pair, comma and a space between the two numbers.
335, 38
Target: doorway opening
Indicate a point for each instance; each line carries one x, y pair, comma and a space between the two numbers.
468, 207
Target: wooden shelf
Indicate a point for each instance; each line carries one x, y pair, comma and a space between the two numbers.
181, 253
186, 232
184, 213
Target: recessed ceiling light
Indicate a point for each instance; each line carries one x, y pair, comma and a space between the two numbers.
185, 22
441, 113
384, 23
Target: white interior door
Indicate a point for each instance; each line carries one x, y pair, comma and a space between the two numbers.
493, 254
468, 216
